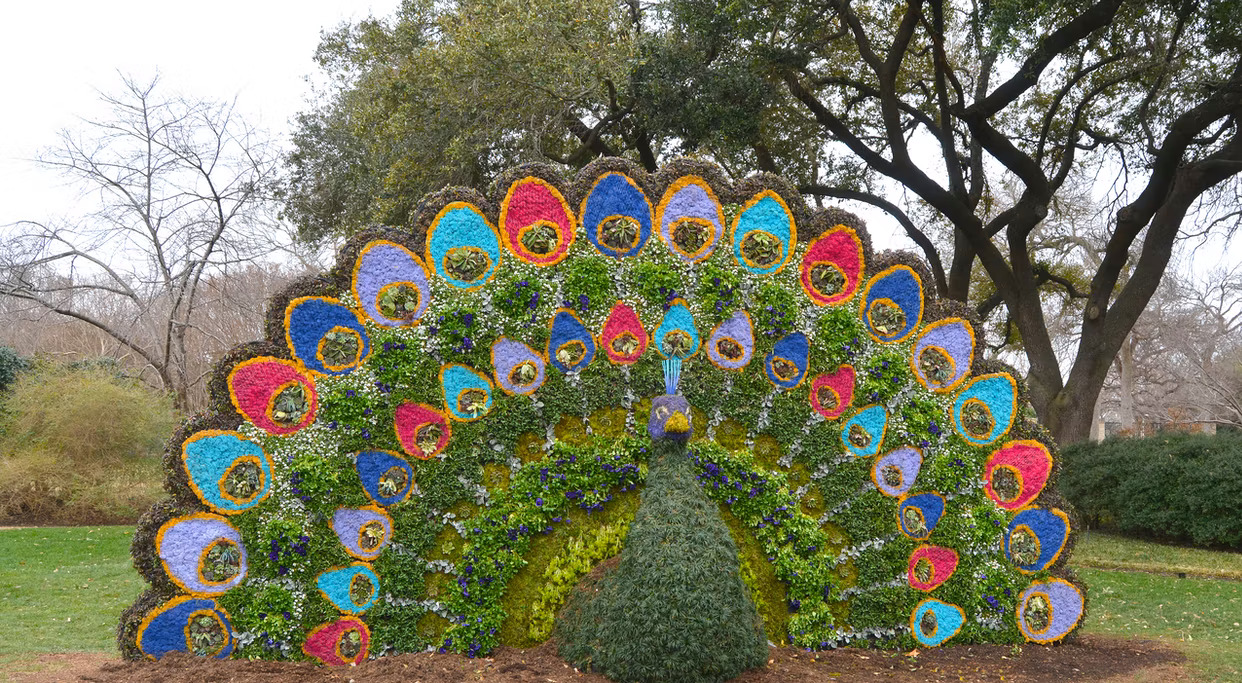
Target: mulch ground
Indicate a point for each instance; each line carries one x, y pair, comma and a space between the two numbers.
1088, 658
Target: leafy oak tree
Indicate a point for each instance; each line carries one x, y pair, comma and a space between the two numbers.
922, 109
452, 93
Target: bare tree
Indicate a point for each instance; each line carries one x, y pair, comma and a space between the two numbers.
229, 311
1212, 351
1182, 362
181, 186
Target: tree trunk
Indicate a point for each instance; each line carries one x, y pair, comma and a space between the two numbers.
1125, 367
1068, 417
959, 271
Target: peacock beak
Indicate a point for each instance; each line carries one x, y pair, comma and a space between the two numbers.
677, 423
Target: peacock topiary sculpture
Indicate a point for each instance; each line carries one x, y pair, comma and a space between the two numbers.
443, 435
676, 608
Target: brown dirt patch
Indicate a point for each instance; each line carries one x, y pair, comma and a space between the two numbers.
1089, 658
46, 668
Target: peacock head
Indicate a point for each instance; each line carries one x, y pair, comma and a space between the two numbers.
670, 418
670, 413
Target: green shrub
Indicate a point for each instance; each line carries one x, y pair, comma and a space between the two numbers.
1178, 487
675, 609
11, 365
80, 444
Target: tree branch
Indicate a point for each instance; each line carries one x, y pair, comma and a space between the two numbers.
1047, 48
912, 231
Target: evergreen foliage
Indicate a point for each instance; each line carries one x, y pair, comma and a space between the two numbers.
676, 608
11, 365
1182, 487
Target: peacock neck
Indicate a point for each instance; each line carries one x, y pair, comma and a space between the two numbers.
670, 467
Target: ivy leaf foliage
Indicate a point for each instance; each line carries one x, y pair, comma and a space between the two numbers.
11, 365
675, 608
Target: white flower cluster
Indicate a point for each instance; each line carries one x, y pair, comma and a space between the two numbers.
991, 622
854, 551
844, 638
714, 421
896, 582
765, 412
442, 566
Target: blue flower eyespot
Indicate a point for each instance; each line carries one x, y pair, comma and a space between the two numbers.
185, 624
786, 366
763, 234
352, 590
984, 411
570, 344
933, 622
386, 477
617, 216
676, 336
463, 247
467, 392
325, 336
227, 471
892, 304
864, 433
1035, 538
917, 516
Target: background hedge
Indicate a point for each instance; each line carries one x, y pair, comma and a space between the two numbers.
1176, 487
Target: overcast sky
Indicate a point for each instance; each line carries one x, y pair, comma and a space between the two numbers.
57, 54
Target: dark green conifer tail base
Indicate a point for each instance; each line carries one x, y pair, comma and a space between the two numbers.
675, 609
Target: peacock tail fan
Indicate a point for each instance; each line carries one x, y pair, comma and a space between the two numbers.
440, 437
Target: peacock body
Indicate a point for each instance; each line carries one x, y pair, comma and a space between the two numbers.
440, 437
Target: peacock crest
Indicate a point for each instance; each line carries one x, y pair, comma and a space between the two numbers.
441, 436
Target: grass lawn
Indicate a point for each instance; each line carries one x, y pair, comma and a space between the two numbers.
1096, 550
63, 589
1202, 617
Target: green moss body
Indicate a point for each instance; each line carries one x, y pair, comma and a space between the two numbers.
554, 564
766, 590
676, 608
